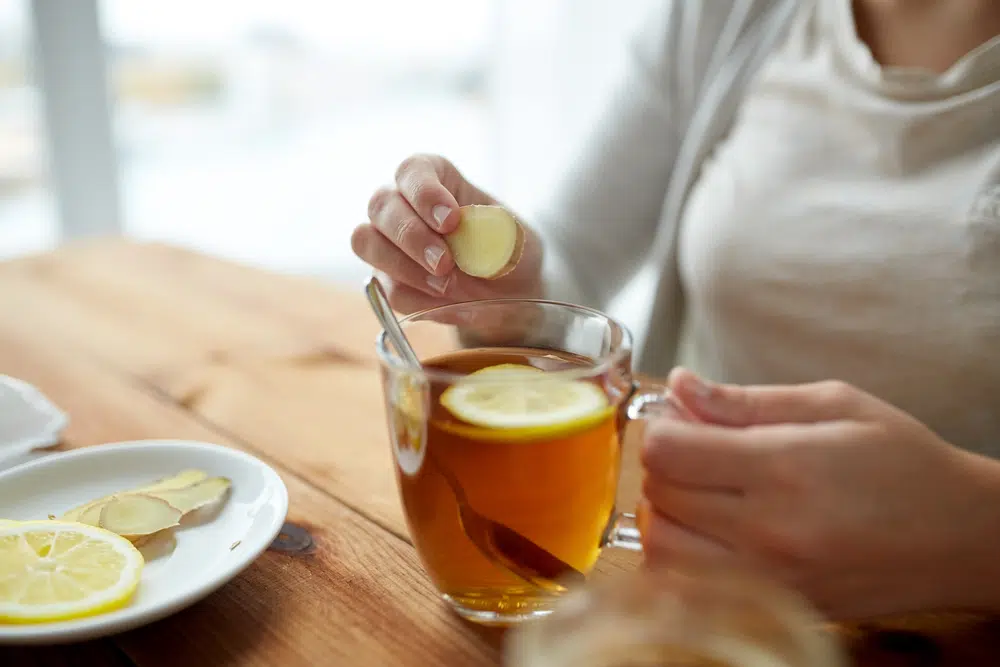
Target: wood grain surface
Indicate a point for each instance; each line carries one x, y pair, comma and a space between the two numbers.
149, 341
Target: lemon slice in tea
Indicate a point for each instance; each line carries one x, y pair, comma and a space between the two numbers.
535, 406
507, 369
55, 570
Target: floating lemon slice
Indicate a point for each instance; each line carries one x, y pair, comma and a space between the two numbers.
536, 407
55, 571
507, 369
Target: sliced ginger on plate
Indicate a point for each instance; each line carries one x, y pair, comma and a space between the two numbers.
136, 515
90, 512
140, 513
196, 496
487, 242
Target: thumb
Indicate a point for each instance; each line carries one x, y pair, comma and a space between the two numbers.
737, 405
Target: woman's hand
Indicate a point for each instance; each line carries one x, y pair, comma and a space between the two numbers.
403, 240
830, 490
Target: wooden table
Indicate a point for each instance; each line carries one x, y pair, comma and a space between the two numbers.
148, 341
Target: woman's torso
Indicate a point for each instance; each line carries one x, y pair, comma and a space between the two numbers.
849, 227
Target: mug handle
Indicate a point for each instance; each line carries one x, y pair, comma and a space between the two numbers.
647, 401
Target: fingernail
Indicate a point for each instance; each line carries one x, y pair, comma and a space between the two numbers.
699, 387
440, 214
676, 410
433, 255
710, 401
438, 283
669, 411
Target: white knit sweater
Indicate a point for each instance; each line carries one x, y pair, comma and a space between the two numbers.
807, 213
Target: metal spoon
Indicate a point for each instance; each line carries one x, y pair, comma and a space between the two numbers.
502, 545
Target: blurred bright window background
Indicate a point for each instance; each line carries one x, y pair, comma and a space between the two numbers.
257, 130
27, 215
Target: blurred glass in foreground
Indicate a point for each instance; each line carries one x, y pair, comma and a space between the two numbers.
677, 619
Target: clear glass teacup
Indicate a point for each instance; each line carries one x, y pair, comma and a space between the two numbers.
507, 445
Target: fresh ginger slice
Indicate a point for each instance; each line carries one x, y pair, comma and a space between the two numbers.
183, 479
487, 242
89, 513
182, 499
135, 515
195, 496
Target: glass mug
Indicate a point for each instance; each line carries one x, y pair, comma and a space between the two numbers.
677, 618
507, 519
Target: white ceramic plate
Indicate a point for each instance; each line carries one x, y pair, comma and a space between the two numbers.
204, 556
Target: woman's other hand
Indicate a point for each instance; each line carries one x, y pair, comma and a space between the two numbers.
827, 488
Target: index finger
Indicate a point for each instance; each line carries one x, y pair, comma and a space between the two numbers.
700, 455
421, 179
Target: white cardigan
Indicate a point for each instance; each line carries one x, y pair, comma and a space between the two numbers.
687, 72
832, 219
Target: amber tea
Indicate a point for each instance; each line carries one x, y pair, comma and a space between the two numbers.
521, 446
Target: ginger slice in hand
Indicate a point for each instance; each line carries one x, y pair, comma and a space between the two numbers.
136, 515
487, 242
89, 513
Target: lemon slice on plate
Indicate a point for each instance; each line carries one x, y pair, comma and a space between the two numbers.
535, 407
56, 571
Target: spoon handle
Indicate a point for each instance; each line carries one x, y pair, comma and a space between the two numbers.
383, 311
